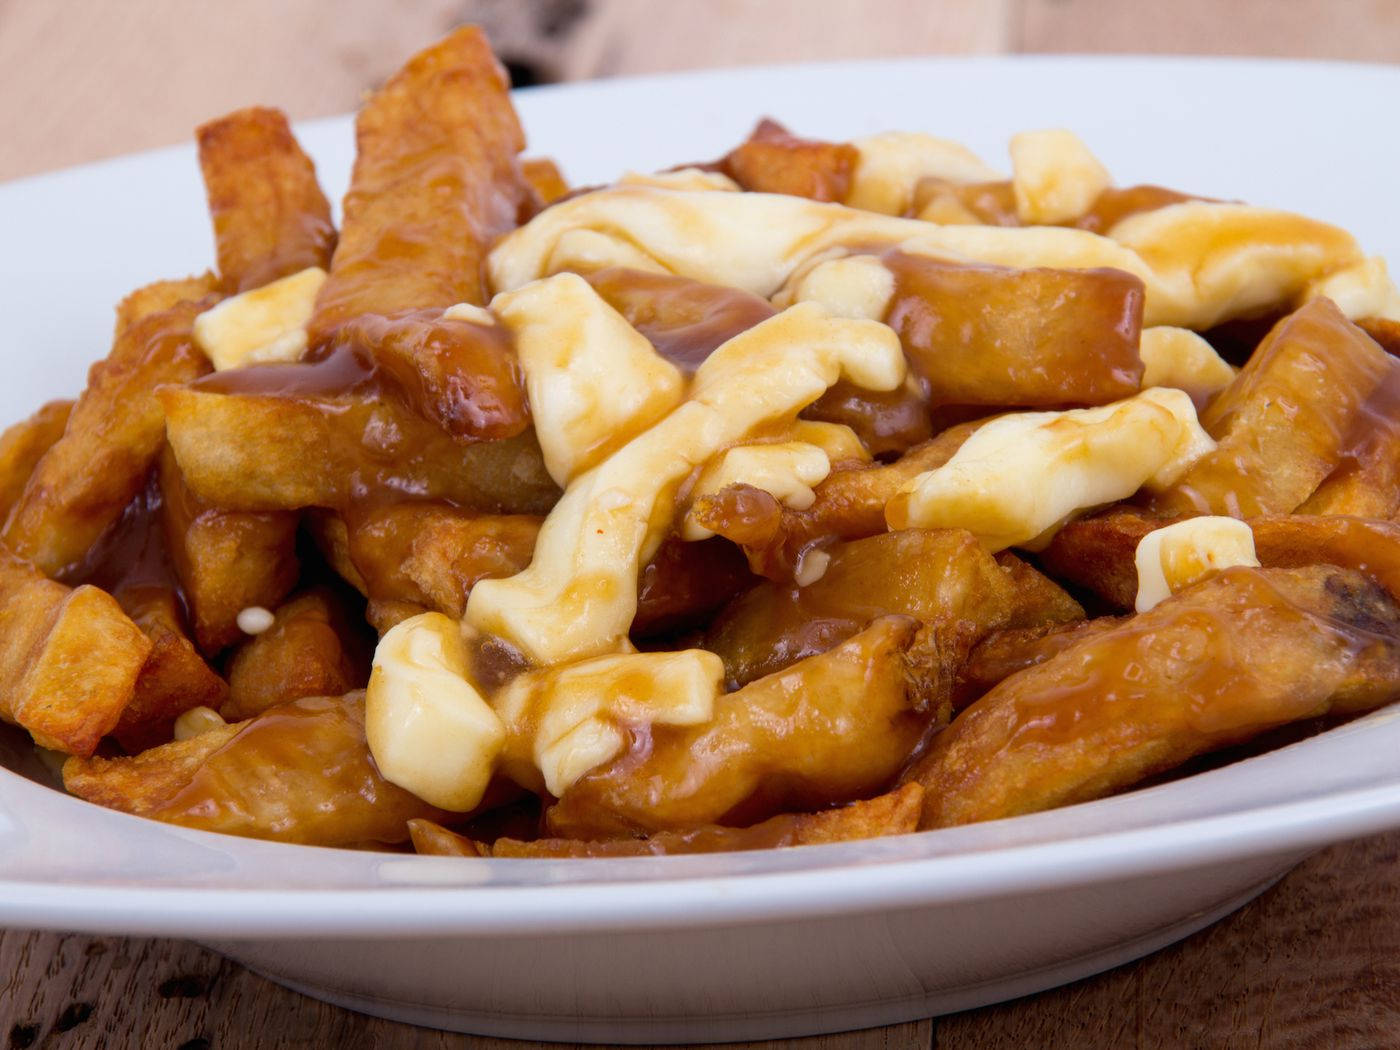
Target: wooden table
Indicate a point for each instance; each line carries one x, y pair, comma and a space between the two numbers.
1315, 962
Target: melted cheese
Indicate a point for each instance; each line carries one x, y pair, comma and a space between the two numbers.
1054, 176
429, 729
892, 164
262, 325
1181, 359
1021, 476
786, 470
1174, 557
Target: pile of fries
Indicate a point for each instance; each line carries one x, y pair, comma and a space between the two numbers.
822, 492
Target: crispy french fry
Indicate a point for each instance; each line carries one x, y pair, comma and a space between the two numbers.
174, 677
1242, 652
86, 479
69, 658
260, 451
23, 445
686, 583
270, 217
941, 577
773, 160
546, 181
1366, 481
981, 335
833, 727
436, 179
1283, 424
300, 772
1002, 653
895, 813
1097, 553
312, 649
225, 560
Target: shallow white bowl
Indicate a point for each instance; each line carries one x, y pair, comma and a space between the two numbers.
737, 946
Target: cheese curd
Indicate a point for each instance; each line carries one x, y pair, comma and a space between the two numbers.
682, 179
1181, 359
429, 728
579, 594
1021, 476
1054, 176
786, 470
1176, 556
262, 325
593, 380
1201, 262
850, 286
1363, 289
564, 721
892, 163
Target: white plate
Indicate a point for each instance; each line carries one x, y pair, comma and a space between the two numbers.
736, 946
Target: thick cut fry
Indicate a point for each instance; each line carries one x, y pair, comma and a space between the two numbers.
941, 577
270, 217
895, 813
436, 179
1097, 553
225, 560
686, 583
1002, 653
114, 434
1242, 652
300, 772
684, 319
23, 445
982, 335
889, 422
173, 679
1283, 425
244, 449
547, 183
69, 658
849, 504
773, 160
312, 649
834, 727
1366, 481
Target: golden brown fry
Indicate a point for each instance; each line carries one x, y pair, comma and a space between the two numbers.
159, 296
1037, 600
886, 422
313, 648
1366, 481
982, 335
263, 451
1244, 651
773, 160
436, 179
1002, 653
685, 583
849, 504
1283, 424
941, 577
834, 727
300, 772
114, 434
225, 560
546, 181
1098, 553
270, 217
895, 813
23, 445
1384, 331
69, 658
173, 679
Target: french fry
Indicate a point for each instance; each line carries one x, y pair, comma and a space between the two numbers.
1366, 481
1002, 653
886, 422
685, 583
225, 560
831, 728
174, 677
114, 434
547, 183
895, 813
312, 649
941, 577
69, 658
300, 772
262, 452
436, 179
980, 335
1244, 651
1283, 424
23, 445
270, 217
1098, 553
773, 160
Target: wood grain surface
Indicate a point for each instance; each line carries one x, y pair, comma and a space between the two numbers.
1314, 963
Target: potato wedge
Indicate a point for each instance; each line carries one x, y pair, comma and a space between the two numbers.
1244, 651
829, 729
270, 217
300, 772
69, 658
895, 813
